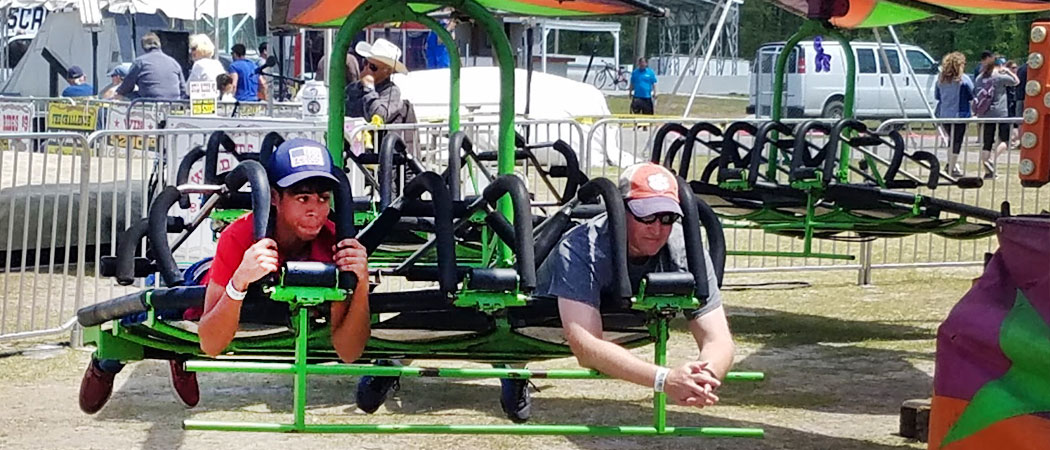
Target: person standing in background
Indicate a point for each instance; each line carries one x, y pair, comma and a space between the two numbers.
953, 92
437, 53
78, 86
990, 90
205, 66
156, 74
987, 57
244, 76
116, 76
643, 88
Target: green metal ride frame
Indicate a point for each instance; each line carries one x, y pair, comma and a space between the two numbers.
812, 28
302, 299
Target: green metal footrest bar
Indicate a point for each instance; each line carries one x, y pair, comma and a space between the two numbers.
409, 371
522, 430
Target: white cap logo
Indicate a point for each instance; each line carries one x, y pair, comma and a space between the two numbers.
658, 182
306, 156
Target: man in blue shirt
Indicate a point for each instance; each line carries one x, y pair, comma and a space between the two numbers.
643, 88
244, 77
437, 53
156, 74
78, 86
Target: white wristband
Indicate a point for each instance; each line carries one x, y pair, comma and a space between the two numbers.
233, 293
661, 379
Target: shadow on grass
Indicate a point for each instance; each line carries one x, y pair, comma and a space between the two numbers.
812, 363
144, 398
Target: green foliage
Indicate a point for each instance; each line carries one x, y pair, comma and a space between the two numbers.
763, 21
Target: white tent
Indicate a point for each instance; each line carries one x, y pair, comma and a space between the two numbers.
65, 37
553, 98
183, 9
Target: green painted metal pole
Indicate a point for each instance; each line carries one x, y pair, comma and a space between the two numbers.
660, 359
520, 430
411, 371
809, 29
302, 335
454, 64
848, 101
505, 59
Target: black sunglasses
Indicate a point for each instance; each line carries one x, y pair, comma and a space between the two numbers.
373, 67
664, 218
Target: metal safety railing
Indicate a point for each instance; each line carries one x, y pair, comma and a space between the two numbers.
44, 222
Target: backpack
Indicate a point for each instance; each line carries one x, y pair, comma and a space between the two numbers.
983, 95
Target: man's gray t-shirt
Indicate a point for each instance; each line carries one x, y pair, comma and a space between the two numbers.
580, 267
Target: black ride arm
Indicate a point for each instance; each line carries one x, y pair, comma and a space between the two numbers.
761, 139
694, 245
163, 298
658, 141
690, 143
605, 189
211, 155
183, 175
524, 242
574, 177
270, 143
344, 220
802, 164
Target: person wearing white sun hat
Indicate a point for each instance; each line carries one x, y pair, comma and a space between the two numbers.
375, 94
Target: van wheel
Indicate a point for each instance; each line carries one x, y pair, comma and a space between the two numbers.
833, 110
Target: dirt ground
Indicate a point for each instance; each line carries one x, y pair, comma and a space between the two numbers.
839, 361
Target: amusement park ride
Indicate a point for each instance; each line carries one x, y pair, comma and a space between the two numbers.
480, 252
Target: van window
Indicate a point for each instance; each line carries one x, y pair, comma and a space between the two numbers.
792, 63
866, 61
920, 63
895, 61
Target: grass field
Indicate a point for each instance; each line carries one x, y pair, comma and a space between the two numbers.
674, 105
839, 361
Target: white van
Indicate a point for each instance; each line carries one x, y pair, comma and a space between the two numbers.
809, 93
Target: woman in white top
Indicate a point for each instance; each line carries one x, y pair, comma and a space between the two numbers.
205, 67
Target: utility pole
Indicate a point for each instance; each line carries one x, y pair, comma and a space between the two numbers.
639, 38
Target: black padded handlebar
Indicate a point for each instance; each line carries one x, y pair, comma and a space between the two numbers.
457, 142
574, 176
127, 243
616, 213
441, 202
163, 298
760, 144
211, 155
716, 238
730, 152
157, 236
183, 175
658, 140
344, 220
252, 172
690, 142
800, 156
694, 245
269, 144
524, 245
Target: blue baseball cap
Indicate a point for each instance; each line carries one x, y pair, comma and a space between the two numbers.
299, 159
75, 72
120, 70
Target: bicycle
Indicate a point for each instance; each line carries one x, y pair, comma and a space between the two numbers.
610, 77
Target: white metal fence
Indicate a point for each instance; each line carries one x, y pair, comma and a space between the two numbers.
64, 198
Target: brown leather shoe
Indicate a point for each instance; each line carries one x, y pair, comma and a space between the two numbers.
185, 384
95, 388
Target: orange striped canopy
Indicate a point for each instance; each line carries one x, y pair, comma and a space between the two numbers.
331, 13
880, 13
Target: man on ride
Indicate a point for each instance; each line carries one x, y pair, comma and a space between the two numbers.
301, 185
643, 88
578, 273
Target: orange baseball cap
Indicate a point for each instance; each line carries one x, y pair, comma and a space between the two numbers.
650, 189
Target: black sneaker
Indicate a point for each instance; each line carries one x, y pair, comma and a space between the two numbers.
373, 391
515, 399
